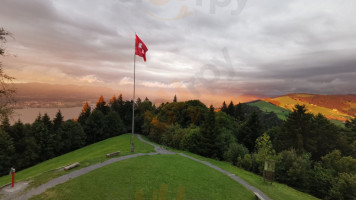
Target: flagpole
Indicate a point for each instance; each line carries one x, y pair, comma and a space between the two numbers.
133, 102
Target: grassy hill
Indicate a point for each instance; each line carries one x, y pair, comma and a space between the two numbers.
159, 176
151, 177
147, 177
333, 107
264, 106
88, 155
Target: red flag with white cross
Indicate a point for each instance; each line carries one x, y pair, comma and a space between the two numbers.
140, 48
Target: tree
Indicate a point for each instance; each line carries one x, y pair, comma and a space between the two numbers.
114, 104
249, 131
264, 148
84, 115
345, 187
113, 125
5, 124
224, 107
234, 152
94, 127
191, 140
296, 132
231, 109
101, 105
351, 124
6, 152
175, 99
73, 136
6, 88
239, 113
294, 169
58, 120
208, 147
47, 122
44, 139
173, 135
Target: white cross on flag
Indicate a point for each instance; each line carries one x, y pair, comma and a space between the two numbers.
140, 48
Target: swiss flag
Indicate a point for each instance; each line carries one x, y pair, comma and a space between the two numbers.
140, 48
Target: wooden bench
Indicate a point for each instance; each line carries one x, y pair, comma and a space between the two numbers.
71, 166
112, 154
258, 196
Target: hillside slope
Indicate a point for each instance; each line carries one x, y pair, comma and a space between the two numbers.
266, 107
334, 107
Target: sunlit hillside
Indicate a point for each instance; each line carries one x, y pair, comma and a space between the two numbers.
335, 107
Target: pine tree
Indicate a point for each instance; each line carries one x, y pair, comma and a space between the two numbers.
231, 109
295, 130
175, 99
113, 125
6, 152
224, 107
84, 114
58, 120
47, 121
239, 113
101, 105
114, 104
94, 127
208, 145
249, 131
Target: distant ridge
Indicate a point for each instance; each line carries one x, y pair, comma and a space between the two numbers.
336, 107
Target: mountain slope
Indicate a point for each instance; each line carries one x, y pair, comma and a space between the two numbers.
264, 106
334, 107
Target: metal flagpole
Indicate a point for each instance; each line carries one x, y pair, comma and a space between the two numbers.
133, 102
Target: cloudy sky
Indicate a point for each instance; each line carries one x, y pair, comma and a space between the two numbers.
211, 49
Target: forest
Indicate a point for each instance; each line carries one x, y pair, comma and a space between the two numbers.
311, 154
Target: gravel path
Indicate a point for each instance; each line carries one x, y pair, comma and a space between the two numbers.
159, 150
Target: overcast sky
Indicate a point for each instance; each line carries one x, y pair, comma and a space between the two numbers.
207, 49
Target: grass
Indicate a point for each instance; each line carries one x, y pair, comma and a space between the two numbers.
87, 156
264, 106
151, 177
337, 123
275, 191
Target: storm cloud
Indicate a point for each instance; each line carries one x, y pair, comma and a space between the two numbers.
240, 47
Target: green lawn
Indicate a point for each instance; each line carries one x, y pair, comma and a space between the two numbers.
151, 177
88, 155
268, 107
275, 191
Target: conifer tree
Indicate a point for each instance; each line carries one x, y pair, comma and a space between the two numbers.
6, 152
58, 120
175, 99
84, 114
114, 104
101, 105
231, 109
208, 146
224, 107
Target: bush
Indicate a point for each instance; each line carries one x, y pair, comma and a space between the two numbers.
235, 151
191, 140
344, 188
245, 162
